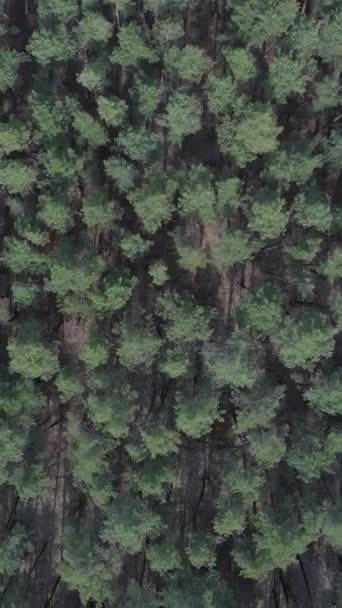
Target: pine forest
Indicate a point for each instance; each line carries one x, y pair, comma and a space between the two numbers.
170, 303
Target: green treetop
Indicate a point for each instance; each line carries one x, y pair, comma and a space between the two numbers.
185, 321
312, 209
138, 346
164, 557
129, 522
325, 392
30, 357
259, 21
258, 406
14, 137
112, 110
262, 310
234, 136
10, 61
183, 116
232, 362
267, 215
196, 415
191, 63
88, 567
133, 47
114, 411
305, 339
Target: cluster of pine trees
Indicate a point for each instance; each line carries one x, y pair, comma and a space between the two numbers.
170, 300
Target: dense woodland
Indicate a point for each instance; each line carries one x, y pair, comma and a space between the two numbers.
170, 303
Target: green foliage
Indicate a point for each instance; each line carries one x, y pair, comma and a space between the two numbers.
230, 517
19, 256
133, 245
332, 268
260, 20
69, 384
234, 247
290, 76
262, 310
48, 113
133, 47
296, 165
185, 322
30, 357
31, 231
191, 63
154, 475
88, 567
257, 406
175, 363
267, 447
159, 273
325, 448
163, 558
75, 272
12, 450
221, 94
332, 528
241, 63
121, 172
277, 543
138, 143
201, 550
149, 94
267, 215
10, 61
198, 198
115, 293
30, 480
62, 164
113, 412
65, 11
196, 415
98, 212
12, 549
328, 94
89, 129
324, 394
312, 209
331, 38
93, 76
55, 213
254, 134
49, 46
128, 523
183, 116
94, 352
244, 482
305, 249
112, 110
16, 177
160, 441
14, 137
93, 29
20, 399
153, 207
90, 468
190, 258
231, 363
24, 293
305, 339
137, 347
228, 195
